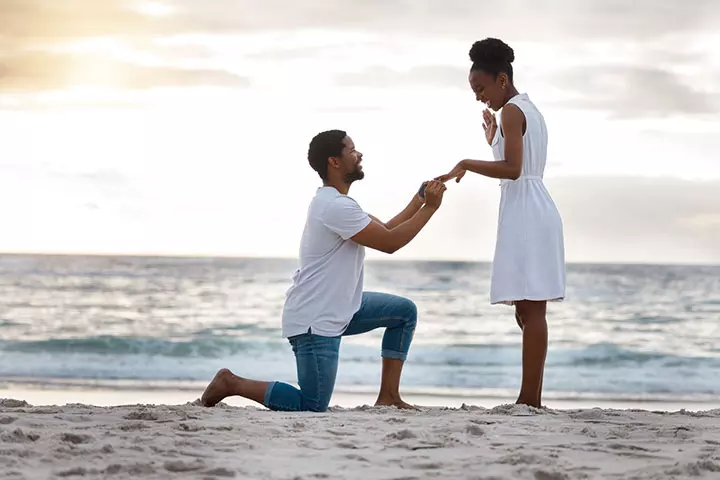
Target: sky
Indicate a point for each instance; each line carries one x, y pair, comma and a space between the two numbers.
181, 127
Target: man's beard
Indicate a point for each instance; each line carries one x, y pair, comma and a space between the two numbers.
357, 174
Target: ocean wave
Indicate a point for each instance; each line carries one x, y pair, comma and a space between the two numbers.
210, 347
222, 343
603, 368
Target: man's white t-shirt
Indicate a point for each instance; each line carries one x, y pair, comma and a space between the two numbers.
327, 288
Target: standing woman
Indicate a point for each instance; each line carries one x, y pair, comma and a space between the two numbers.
529, 264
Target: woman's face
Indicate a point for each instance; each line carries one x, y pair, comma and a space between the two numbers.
487, 89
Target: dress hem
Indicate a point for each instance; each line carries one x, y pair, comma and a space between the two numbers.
512, 302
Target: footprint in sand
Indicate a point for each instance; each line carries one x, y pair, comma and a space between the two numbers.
543, 475
482, 422
222, 428
142, 415
179, 466
136, 470
18, 436
620, 432
356, 457
74, 418
595, 414
523, 459
681, 433
298, 426
220, 472
75, 438
428, 466
134, 426
185, 427
696, 469
401, 435
347, 446
73, 472
396, 420
474, 430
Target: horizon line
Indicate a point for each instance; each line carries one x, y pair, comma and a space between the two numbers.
371, 260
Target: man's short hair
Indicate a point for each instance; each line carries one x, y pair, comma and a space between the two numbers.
323, 146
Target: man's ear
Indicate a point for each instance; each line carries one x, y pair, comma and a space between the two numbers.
333, 162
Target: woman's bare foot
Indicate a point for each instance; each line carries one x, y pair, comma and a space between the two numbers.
218, 389
529, 403
397, 403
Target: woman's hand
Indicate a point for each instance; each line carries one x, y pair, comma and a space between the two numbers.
458, 172
489, 125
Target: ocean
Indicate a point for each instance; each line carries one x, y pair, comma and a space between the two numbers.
625, 332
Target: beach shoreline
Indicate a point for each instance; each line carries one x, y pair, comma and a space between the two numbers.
37, 394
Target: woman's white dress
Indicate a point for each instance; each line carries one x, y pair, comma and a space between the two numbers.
529, 261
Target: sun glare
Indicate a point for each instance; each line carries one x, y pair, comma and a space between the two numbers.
95, 74
155, 9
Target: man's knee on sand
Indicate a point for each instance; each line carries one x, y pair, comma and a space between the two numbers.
316, 399
318, 405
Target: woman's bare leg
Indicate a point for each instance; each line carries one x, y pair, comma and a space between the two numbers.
532, 318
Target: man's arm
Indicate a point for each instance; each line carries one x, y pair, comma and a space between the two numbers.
402, 217
389, 240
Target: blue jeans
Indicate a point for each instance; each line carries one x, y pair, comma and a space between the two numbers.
317, 357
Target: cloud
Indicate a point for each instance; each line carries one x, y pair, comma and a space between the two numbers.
33, 21
433, 75
623, 91
645, 88
35, 71
636, 92
560, 19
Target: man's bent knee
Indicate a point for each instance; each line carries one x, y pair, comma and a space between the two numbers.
410, 313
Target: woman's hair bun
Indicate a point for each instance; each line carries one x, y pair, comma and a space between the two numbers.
491, 51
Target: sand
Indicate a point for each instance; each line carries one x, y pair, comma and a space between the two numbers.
513, 442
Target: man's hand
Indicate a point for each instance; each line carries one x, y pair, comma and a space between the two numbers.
419, 197
434, 194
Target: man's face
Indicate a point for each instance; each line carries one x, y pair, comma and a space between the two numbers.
351, 162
